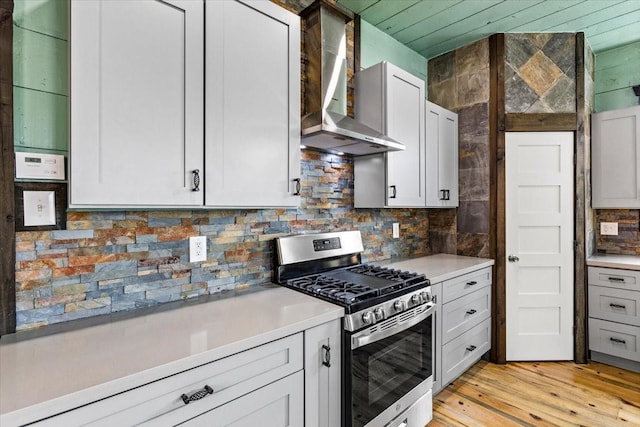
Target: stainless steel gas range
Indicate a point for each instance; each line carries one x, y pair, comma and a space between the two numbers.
387, 359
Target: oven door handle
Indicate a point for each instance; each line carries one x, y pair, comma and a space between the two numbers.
362, 338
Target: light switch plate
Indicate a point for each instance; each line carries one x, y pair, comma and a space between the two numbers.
39, 208
609, 228
396, 230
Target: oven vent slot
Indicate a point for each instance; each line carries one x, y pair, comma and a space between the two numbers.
408, 315
388, 324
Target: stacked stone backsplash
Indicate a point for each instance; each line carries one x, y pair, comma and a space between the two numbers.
627, 242
107, 262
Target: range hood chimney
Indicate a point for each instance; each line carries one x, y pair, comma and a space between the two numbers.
327, 127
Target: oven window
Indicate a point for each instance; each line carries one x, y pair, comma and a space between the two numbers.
384, 371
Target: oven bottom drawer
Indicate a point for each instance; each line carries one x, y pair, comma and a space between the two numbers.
465, 350
615, 339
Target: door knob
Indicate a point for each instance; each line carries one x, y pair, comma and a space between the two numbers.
513, 258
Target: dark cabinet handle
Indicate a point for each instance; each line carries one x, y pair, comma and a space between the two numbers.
393, 191
614, 305
297, 181
472, 311
326, 357
197, 395
472, 283
471, 348
616, 279
446, 194
196, 180
618, 340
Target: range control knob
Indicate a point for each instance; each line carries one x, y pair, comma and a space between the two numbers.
400, 305
415, 299
367, 318
425, 296
379, 313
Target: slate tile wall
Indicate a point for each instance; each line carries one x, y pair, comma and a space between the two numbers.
107, 262
627, 242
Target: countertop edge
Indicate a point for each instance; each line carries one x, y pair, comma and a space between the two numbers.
460, 272
57, 405
624, 262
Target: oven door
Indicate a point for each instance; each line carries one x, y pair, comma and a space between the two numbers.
388, 367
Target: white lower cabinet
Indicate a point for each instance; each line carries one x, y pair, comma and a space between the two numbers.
293, 381
462, 324
614, 317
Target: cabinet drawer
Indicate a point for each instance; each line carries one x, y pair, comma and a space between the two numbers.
615, 339
229, 378
617, 305
462, 352
462, 285
614, 278
464, 313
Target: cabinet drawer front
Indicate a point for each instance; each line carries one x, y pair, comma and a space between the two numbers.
617, 305
464, 313
230, 377
615, 339
614, 278
462, 352
462, 285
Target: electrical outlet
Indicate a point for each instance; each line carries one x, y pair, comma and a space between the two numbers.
396, 230
609, 228
197, 248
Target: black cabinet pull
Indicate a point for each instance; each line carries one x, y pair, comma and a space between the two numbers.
443, 197
471, 348
326, 357
472, 283
393, 192
196, 180
297, 181
617, 340
614, 305
616, 279
472, 311
197, 395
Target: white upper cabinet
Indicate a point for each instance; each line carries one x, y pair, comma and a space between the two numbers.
136, 102
615, 158
442, 156
252, 117
391, 101
155, 116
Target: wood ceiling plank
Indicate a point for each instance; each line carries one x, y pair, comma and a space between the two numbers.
615, 38
428, 24
358, 6
391, 23
563, 15
614, 24
478, 26
586, 20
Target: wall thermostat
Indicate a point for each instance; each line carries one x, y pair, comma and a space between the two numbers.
39, 166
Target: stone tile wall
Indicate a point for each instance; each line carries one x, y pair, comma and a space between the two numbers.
459, 81
106, 262
627, 242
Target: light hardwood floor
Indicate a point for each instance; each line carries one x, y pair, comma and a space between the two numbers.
540, 394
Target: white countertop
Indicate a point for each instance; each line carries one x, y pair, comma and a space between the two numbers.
627, 262
65, 370
440, 267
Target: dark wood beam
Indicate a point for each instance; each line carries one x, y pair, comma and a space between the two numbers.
7, 205
552, 122
580, 188
497, 229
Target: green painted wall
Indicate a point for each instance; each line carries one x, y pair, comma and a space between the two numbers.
40, 76
616, 71
377, 46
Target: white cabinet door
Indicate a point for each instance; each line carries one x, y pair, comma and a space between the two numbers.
252, 111
616, 158
136, 102
280, 404
391, 101
322, 366
441, 142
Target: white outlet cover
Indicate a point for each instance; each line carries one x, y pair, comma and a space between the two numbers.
39, 208
396, 230
197, 248
609, 228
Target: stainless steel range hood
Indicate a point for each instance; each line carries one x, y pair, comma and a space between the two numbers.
327, 127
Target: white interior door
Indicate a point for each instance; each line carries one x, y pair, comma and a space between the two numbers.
539, 245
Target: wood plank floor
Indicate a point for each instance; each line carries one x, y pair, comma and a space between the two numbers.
540, 394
